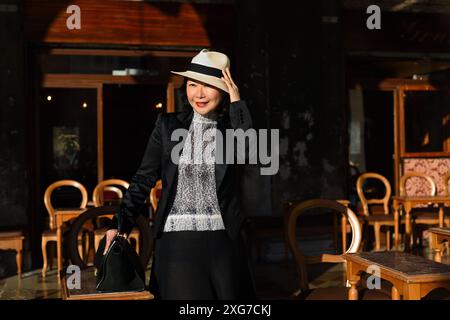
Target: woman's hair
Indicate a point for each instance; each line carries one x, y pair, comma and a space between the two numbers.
221, 109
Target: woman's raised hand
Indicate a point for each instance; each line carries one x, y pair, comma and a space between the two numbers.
232, 87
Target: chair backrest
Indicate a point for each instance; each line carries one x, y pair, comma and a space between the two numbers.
423, 176
300, 259
111, 189
446, 179
155, 194
58, 184
108, 185
365, 202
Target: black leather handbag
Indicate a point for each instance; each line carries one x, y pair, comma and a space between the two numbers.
120, 269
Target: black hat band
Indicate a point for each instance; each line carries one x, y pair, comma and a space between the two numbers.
206, 70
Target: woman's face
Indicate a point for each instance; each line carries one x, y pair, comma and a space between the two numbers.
203, 97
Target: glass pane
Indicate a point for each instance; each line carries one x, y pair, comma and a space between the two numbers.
68, 128
426, 117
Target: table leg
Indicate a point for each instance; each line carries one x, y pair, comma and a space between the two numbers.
395, 294
59, 249
411, 291
437, 255
19, 262
353, 292
353, 280
441, 216
407, 228
436, 248
396, 228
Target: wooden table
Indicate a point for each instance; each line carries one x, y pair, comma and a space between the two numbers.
62, 215
13, 240
412, 277
438, 238
408, 203
88, 291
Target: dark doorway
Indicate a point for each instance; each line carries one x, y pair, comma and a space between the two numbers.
130, 112
379, 133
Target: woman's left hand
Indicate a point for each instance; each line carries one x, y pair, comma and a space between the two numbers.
232, 87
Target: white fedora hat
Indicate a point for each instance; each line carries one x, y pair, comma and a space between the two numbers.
207, 67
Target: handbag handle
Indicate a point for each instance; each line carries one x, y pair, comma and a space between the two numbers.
122, 234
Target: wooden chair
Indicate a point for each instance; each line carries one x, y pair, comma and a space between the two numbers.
375, 216
421, 216
98, 199
50, 234
302, 261
13, 240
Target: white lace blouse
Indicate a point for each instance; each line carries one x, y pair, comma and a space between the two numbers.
196, 207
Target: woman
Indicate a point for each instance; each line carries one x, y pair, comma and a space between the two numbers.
199, 251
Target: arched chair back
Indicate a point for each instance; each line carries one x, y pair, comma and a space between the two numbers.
59, 184
411, 175
108, 185
366, 202
446, 179
302, 260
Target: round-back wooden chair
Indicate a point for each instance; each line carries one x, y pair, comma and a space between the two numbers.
377, 218
302, 261
49, 235
421, 215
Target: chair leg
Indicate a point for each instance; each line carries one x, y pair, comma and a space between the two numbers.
44, 256
81, 246
51, 254
91, 244
376, 228
413, 235
86, 248
19, 262
388, 239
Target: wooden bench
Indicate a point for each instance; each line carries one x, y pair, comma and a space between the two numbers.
88, 291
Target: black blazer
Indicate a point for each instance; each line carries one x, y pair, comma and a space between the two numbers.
156, 164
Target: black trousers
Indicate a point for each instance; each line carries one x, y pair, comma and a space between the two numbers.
200, 265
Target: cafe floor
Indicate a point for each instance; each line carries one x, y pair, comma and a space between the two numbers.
275, 277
